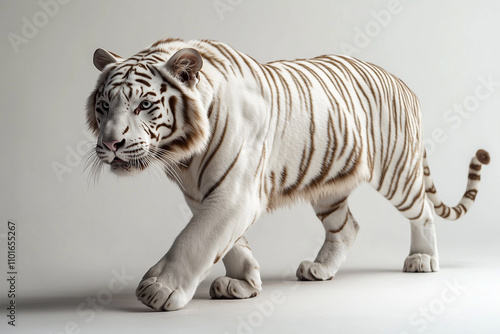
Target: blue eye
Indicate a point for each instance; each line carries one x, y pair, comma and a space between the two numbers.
105, 105
146, 105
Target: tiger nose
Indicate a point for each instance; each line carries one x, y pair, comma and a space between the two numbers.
114, 145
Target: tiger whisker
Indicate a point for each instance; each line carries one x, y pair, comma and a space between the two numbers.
165, 163
95, 166
167, 154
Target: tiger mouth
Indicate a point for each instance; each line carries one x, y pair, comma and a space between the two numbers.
119, 164
118, 161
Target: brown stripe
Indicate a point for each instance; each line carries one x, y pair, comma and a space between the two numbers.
219, 143
144, 82
303, 169
283, 176
212, 136
343, 225
445, 210
471, 194
157, 58
163, 125
134, 144
149, 93
165, 41
273, 182
414, 199
475, 167
215, 63
459, 210
172, 101
218, 183
143, 75
226, 53
431, 190
210, 109
262, 157
328, 158
334, 207
474, 177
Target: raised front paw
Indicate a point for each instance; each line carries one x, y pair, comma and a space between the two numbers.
314, 271
421, 263
232, 288
160, 290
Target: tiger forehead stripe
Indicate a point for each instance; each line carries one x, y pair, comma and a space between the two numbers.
144, 75
144, 82
148, 93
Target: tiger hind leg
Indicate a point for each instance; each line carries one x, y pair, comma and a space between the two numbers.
423, 255
414, 204
340, 232
242, 278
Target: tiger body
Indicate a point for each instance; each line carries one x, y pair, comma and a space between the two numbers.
281, 115
242, 138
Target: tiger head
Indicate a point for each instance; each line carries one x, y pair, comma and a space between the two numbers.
146, 110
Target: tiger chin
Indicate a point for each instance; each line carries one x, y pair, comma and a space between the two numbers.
242, 138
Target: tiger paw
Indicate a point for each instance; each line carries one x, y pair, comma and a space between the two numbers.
314, 271
161, 289
421, 263
232, 288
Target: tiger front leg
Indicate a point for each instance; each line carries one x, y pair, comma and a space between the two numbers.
171, 283
242, 278
340, 232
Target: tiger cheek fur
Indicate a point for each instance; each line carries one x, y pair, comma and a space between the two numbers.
242, 138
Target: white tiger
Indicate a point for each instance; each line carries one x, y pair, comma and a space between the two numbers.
242, 138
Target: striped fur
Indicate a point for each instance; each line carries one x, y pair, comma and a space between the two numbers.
242, 138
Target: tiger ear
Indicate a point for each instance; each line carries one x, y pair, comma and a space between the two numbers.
185, 65
103, 58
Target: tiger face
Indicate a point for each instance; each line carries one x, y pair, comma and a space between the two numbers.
146, 110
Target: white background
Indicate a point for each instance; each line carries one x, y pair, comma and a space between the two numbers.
72, 235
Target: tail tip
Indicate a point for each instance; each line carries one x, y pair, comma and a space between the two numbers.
483, 157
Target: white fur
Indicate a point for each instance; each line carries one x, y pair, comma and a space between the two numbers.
267, 136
